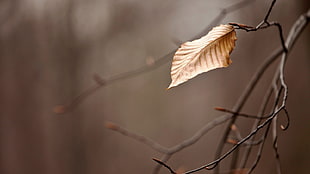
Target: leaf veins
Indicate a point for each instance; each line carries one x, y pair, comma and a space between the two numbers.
202, 55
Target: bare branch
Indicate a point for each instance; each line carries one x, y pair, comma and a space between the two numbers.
295, 31
214, 163
169, 151
260, 150
269, 10
298, 28
278, 87
159, 148
165, 165
252, 84
151, 143
240, 114
287, 121
246, 94
261, 112
164, 159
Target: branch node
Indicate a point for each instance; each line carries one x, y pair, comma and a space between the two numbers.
100, 81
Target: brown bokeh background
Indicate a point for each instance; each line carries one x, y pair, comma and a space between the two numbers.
50, 50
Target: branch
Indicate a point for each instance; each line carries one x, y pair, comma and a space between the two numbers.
239, 105
260, 150
169, 151
262, 110
165, 165
151, 143
164, 159
295, 31
246, 94
214, 163
240, 114
269, 11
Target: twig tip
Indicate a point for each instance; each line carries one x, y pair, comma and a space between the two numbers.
232, 141
157, 160
233, 127
220, 109
99, 80
60, 109
111, 126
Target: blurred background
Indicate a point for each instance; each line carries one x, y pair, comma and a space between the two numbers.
50, 50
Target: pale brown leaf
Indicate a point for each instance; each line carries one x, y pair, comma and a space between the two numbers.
204, 54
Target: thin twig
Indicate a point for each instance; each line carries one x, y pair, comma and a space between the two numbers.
214, 163
239, 138
269, 11
159, 148
165, 165
246, 94
164, 159
149, 142
168, 152
248, 91
240, 114
260, 26
275, 147
287, 121
261, 112
260, 150
295, 31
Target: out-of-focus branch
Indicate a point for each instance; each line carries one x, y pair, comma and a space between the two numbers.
170, 151
151, 143
60, 109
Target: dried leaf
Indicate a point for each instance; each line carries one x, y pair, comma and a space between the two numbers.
204, 54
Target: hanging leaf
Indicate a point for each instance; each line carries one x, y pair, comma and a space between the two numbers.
204, 54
